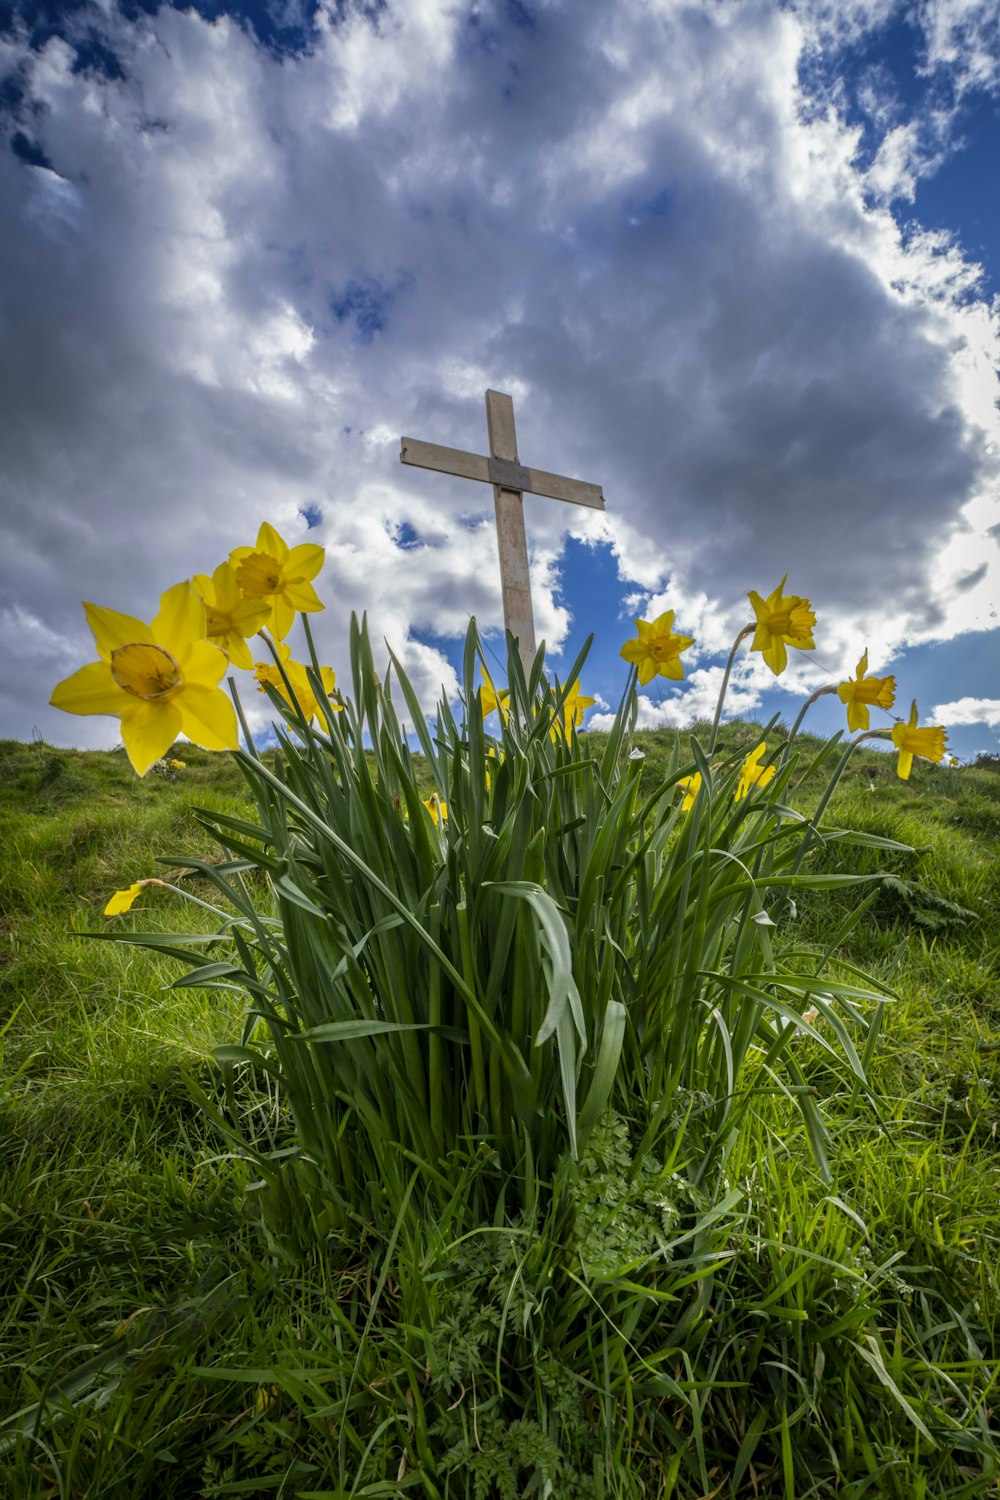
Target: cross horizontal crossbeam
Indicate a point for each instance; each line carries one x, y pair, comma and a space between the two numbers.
501, 471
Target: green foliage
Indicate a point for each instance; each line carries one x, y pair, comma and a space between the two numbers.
836, 1338
503, 974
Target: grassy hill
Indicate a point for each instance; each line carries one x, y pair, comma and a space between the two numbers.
142, 1326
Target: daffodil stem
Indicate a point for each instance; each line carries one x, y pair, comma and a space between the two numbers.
322, 701
747, 630
312, 647
293, 701
251, 747
819, 693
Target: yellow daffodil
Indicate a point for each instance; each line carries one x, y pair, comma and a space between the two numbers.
229, 615
281, 575
781, 619
491, 701
861, 692
267, 674
161, 680
928, 743
953, 760
657, 651
122, 900
690, 786
572, 713
753, 773
437, 809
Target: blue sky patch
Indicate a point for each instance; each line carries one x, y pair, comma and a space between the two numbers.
365, 303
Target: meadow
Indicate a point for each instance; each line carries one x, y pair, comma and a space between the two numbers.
179, 1320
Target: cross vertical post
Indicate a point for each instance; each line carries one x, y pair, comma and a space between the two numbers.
511, 481
509, 505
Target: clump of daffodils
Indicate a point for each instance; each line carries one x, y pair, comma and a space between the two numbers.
781, 621
164, 679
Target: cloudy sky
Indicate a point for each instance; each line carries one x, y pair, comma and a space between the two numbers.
739, 263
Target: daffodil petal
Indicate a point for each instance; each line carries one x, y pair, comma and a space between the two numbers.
180, 619
112, 630
91, 690
122, 900
251, 615
282, 618
269, 541
209, 718
303, 597
305, 561
203, 664
227, 590
238, 651
148, 729
759, 606
776, 656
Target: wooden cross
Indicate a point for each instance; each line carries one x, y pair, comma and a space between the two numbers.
510, 483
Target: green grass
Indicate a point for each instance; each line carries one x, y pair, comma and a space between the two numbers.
151, 1346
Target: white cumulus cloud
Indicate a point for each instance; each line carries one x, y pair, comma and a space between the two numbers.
968, 711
